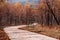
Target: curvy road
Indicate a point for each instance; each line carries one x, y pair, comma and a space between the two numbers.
17, 34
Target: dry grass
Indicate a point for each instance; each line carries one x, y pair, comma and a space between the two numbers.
52, 31
3, 35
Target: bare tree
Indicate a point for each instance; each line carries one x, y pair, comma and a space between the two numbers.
51, 11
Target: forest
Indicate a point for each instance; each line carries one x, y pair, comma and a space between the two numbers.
46, 12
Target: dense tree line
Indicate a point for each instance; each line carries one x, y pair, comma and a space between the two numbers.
45, 13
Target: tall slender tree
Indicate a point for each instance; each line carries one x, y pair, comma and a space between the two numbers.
51, 11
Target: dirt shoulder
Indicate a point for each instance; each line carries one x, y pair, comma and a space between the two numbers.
3, 35
52, 31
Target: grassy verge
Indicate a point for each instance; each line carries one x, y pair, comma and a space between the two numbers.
3, 35
52, 31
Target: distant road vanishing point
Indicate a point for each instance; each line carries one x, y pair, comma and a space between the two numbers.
17, 34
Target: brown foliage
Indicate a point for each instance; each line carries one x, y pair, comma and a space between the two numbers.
14, 14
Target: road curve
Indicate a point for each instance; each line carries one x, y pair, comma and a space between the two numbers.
17, 34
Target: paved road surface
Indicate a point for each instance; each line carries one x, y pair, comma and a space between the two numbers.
16, 34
